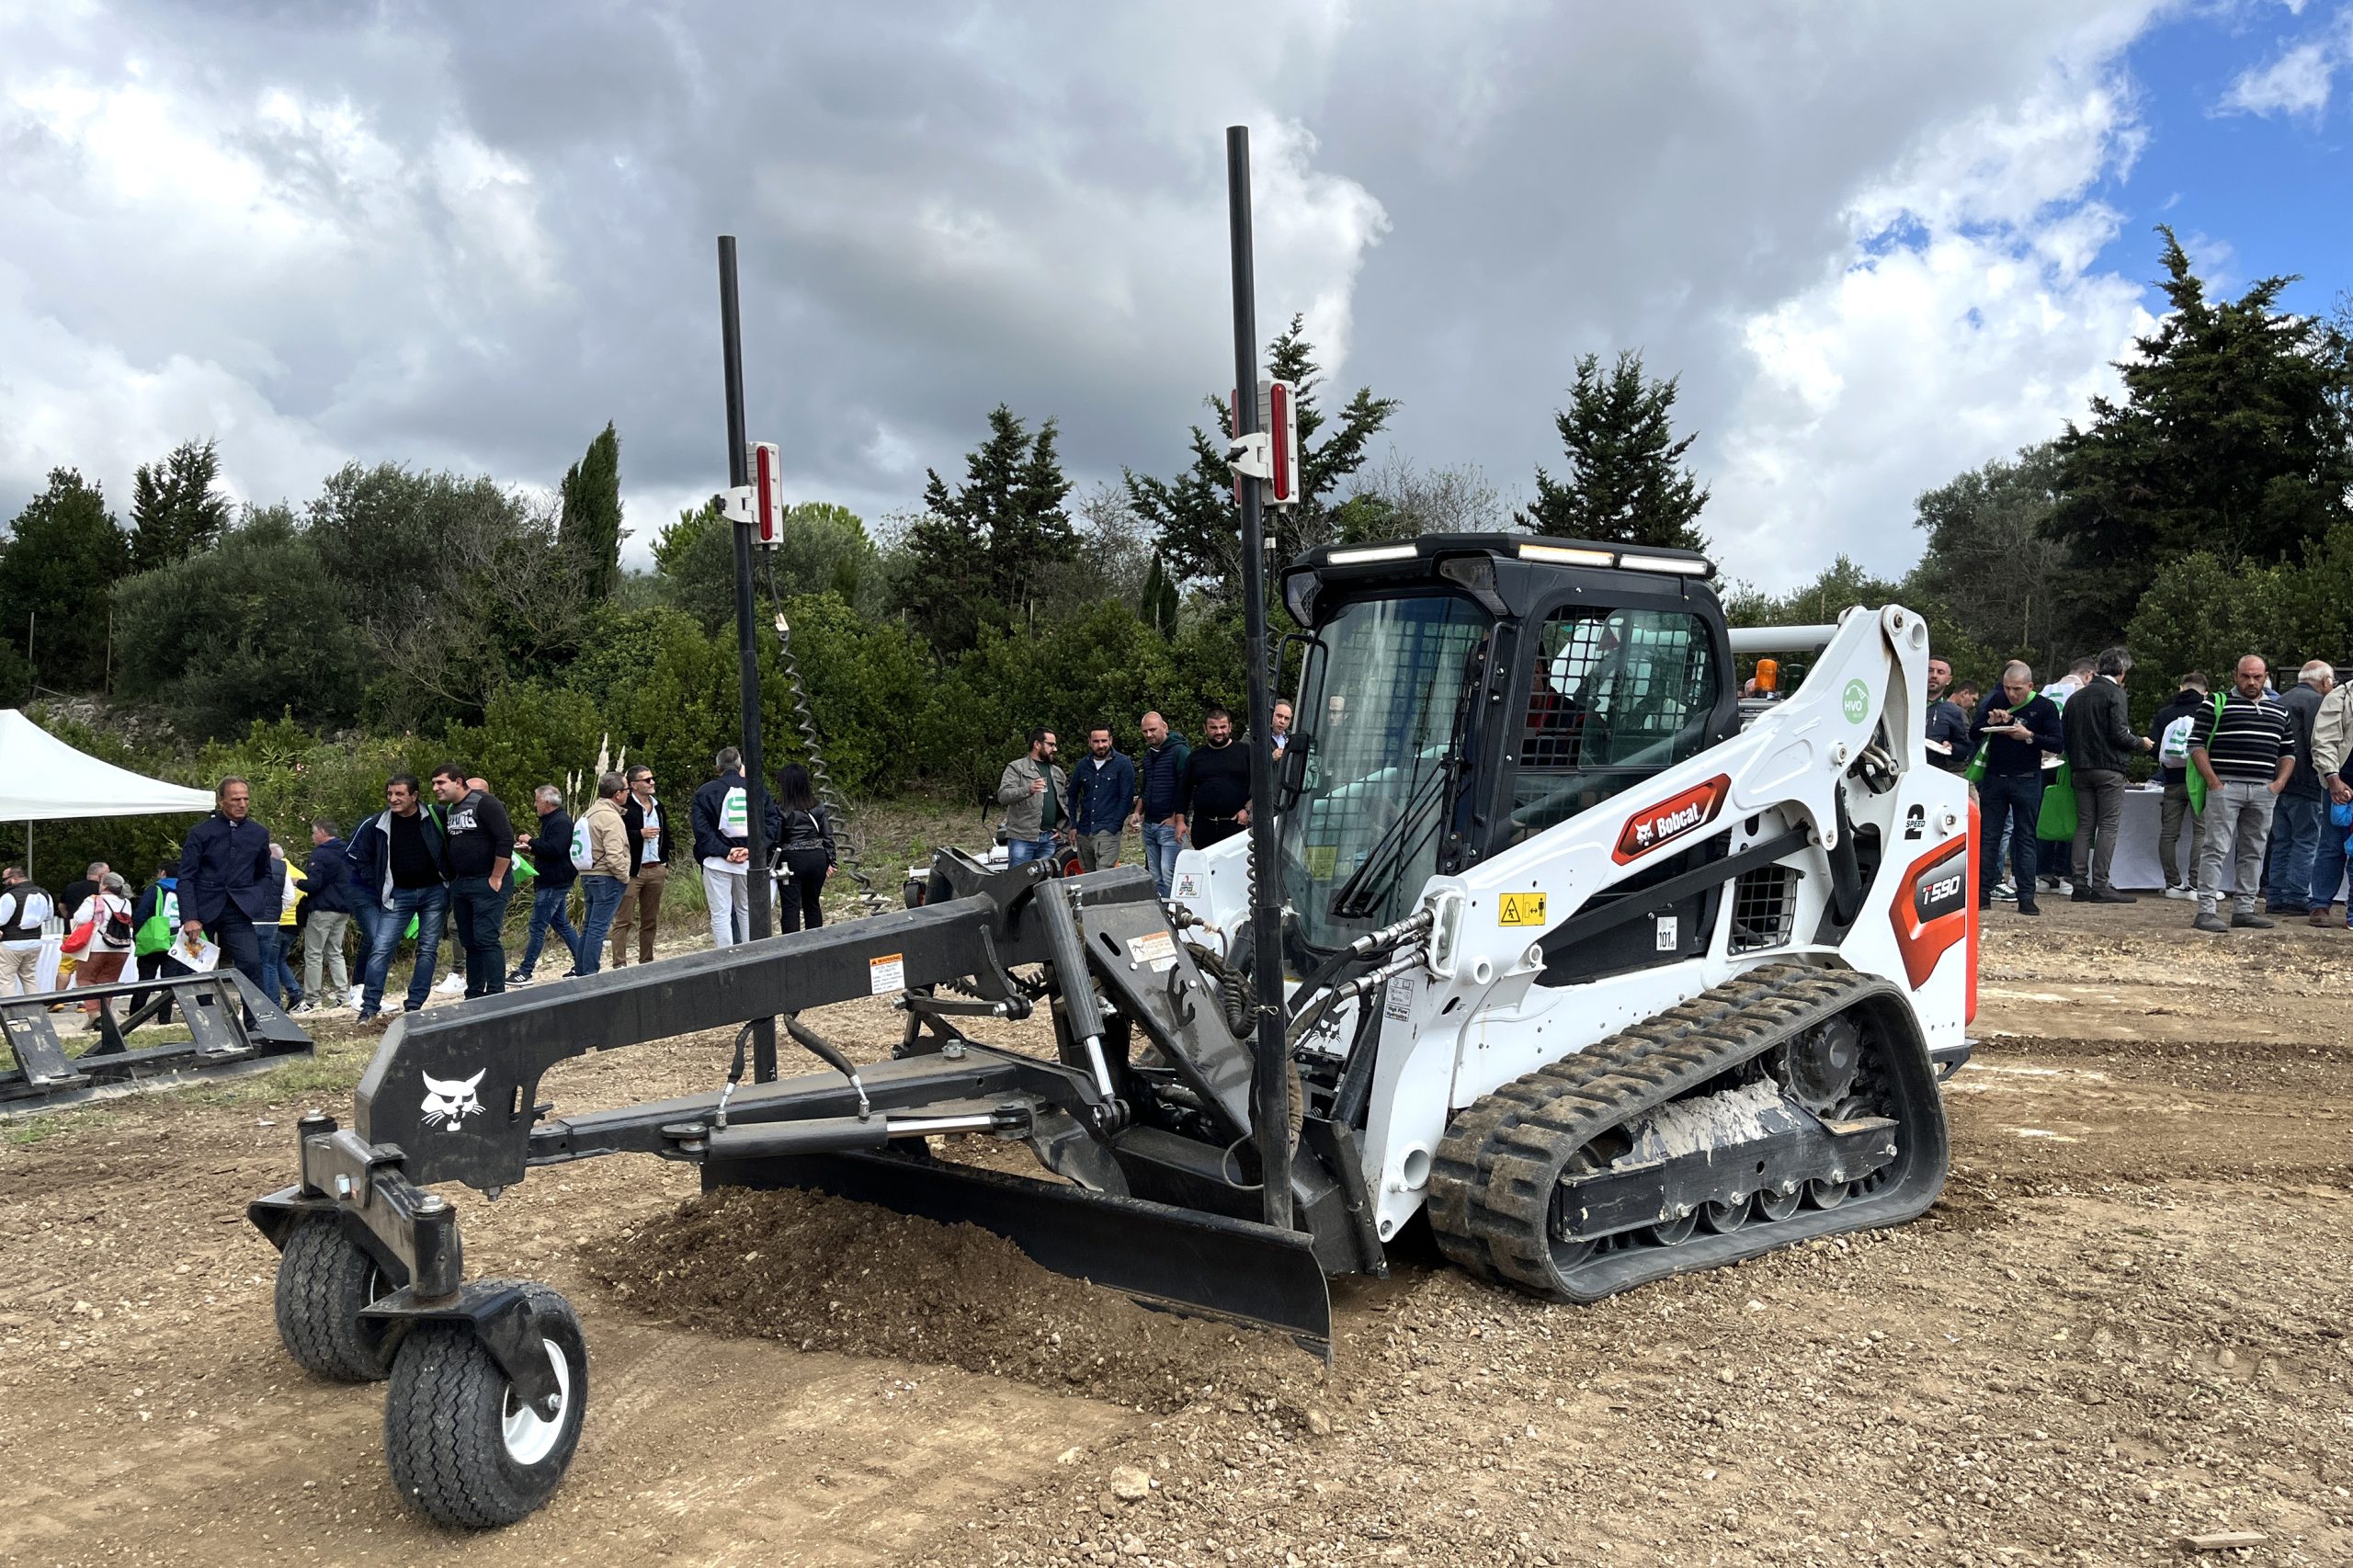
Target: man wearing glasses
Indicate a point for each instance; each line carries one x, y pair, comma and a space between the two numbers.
649, 868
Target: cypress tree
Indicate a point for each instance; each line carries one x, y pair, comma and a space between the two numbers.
589, 528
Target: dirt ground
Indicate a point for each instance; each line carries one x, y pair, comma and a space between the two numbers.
2124, 1323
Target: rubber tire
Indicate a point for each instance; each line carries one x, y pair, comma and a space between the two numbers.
324, 1279
442, 1422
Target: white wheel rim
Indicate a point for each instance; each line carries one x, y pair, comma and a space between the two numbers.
530, 1437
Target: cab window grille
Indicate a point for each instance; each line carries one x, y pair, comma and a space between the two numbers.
1613, 697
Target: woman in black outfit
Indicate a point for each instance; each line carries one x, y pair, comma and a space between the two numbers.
804, 855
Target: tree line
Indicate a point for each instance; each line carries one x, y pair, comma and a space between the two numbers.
2200, 514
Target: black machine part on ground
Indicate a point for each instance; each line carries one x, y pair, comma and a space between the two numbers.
215, 1008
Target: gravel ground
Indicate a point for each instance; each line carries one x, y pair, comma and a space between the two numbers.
2124, 1325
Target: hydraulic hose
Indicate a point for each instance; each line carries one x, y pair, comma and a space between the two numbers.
847, 853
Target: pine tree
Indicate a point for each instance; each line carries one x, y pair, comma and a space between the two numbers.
975, 552
175, 511
1197, 527
589, 528
1625, 482
2232, 440
64, 554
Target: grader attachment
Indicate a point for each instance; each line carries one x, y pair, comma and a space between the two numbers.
1149, 1184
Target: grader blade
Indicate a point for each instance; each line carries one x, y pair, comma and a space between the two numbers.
1180, 1260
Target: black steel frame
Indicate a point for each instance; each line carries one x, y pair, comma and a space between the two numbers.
1162, 1170
220, 1040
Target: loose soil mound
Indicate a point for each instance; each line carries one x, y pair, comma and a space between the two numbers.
827, 1274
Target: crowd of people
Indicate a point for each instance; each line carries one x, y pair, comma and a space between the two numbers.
1174, 793
443, 855
2250, 777
2252, 780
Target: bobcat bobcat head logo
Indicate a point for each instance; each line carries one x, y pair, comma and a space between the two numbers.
449, 1101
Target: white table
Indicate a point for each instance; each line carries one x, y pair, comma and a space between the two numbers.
2135, 866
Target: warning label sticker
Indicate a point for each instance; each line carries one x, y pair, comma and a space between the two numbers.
1155, 951
1188, 885
1520, 909
1323, 860
887, 975
1400, 998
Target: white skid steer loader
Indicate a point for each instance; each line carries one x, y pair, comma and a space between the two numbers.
1603, 977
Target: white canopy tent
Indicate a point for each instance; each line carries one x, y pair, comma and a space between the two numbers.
43, 780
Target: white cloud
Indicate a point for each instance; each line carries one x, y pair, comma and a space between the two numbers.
1962, 321
467, 238
67, 402
2298, 83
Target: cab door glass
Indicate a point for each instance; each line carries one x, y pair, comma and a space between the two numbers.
1613, 696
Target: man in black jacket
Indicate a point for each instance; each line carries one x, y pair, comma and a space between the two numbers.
1216, 782
722, 830
479, 840
2299, 819
1949, 747
651, 844
2016, 725
2100, 743
2173, 772
226, 886
551, 853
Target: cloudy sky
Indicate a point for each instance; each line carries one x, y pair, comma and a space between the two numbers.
1879, 243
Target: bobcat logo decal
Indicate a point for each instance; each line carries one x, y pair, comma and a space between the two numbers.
449, 1101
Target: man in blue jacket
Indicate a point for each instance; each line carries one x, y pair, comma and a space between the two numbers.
401, 864
2016, 725
1160, 799
1102, 793
226, 887
327, 882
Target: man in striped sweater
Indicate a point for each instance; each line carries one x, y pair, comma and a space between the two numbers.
2244, 754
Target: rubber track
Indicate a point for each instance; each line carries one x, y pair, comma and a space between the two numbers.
1492, 1182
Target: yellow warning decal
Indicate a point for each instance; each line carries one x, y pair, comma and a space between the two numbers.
1323, 860
1520, 909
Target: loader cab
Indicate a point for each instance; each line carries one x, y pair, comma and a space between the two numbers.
1460, 693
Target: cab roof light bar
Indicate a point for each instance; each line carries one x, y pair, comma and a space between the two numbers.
1566, 555
1681, 566
1367, 554
1625, 560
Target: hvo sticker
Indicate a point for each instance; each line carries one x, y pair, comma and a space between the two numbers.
1520, 909
1856, 701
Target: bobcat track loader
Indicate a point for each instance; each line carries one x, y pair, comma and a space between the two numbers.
1606, 978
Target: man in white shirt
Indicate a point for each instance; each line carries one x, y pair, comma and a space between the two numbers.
2081, 674
23, 910
721, 821
649, 868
